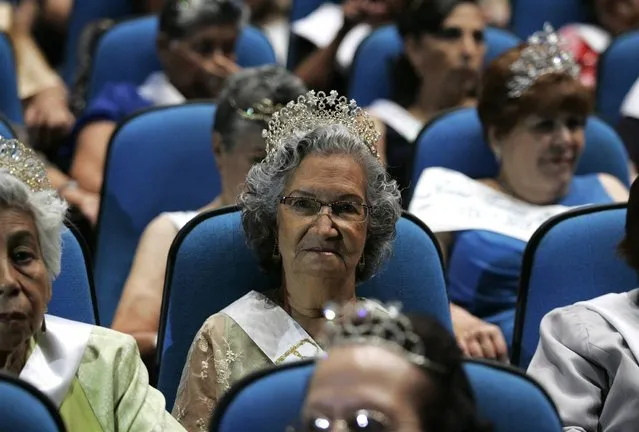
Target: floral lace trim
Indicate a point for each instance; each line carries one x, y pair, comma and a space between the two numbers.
224, 358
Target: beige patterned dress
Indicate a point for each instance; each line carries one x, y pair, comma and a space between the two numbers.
223, 352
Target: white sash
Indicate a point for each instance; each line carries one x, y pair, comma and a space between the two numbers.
621, 311
158, 89
447, 201
396, 117
56, 357
278, 335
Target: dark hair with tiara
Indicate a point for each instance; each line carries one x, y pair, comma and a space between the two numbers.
418, 17
181, 18
252, 95
425, 343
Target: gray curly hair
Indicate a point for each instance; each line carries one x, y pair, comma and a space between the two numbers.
48, 213
266, 181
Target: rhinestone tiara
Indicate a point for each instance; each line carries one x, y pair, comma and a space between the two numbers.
544, 55
259, 111
313, 110
24, 164
367, 323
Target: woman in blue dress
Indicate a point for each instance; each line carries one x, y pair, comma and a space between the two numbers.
533, 110
196, 46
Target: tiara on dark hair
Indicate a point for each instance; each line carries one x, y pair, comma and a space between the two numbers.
363, 323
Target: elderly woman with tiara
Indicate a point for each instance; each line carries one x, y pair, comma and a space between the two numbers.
533, 110
321, 211
93, 375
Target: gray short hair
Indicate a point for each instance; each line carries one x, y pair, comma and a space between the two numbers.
246, 88
266, 181
48, 213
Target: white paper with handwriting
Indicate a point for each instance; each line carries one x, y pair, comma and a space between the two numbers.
448, 201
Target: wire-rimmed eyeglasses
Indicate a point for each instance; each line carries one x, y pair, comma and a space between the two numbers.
350, 211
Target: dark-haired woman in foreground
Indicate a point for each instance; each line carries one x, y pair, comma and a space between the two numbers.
196, 46
444, 49
587, 353
389, 373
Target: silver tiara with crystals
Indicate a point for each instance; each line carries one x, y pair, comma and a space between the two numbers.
367, 323
313, 110
24, 164
544, 55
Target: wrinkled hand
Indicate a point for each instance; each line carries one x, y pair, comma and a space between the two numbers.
477, 338
372, 12
88, 203
218, 71
496, 12
223, 67
213, 72
354, 12
25, 15
48, 119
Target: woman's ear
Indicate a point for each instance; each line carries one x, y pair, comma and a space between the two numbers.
494, 143
218, 151
413, 50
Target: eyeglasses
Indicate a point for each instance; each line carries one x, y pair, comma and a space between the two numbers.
360, 421
345, 210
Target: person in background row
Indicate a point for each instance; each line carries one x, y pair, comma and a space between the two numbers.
319, 210
93, 375
587, 357
587, 42
44, 95
330, 35
196, 46
245, 106
272, 17
533, 110
444, 50
47, 118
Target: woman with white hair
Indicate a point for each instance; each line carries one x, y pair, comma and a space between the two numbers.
93, 375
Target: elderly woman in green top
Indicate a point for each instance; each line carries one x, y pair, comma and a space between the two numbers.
93, 375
